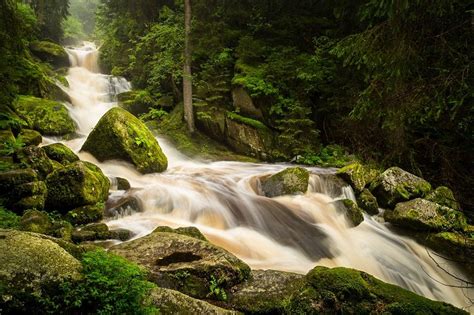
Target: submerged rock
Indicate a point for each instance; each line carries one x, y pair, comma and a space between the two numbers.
348, 291
76, 185
120, 135
48, 117
60, 153
358, 175
445, 197
184, 263
396, 185
423, 215
291, 181
30, 266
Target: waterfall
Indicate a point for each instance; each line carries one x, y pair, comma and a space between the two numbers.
223, 200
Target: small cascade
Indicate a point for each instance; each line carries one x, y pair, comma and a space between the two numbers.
222, 199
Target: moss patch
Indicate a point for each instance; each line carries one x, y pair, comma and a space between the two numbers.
290, 181
60, 153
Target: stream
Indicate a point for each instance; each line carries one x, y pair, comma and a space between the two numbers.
223, 200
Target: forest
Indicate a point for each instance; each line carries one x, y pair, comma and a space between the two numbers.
224, 156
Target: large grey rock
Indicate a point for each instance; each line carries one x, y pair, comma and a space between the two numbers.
445, 197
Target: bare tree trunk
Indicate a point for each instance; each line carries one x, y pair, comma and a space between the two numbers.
187, 75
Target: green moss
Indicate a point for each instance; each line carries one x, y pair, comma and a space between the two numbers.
290, 181
445, 197
35, 221
246, 120
60, 153
48, 117
50, 52
120, 135
86, 214
8, 219
30, 137
353, 212
357, 175
35, 158
368, 202
189, 231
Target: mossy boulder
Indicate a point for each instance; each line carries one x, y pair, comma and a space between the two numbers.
184, 263
48, 117
396, 185
445, 197
50, 52
120, 135
61, 229
34, 157
212, 122
423, 215
352, 211
86, 214
137, 102
60, 153
290, 181
243, 103
368, 202
190, 231
76, 185
348, 291
266, 292
456, 245
357, 175
36, 221
30, 137
30, 267
171, 302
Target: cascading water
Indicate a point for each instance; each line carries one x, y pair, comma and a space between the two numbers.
291, 233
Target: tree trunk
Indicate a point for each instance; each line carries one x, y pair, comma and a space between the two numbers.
187, 75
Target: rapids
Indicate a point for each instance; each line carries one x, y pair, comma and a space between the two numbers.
222, 199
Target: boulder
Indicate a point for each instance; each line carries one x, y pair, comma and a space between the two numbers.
212, 122
35, 157
61, 229
76, 185
60, 153
445, 197
86, 214
396, 185
30, 267
348, 291
358, 175
125, 205
30, 137
352, 211
136, 102
290, 181
123, 184
266, 292
50, 52
368, 202
184, 263
36, 221
120, 135
48, 117
243, 103
190, 231
423, 215
171, 302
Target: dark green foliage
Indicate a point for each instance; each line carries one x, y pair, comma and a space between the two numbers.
8, 219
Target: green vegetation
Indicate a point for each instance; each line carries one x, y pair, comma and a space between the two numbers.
8, 219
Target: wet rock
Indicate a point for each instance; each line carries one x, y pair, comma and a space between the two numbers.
29, 265
171, 302
35, 221
290, 181
30, 137
357, 175
60, 153
50, 52
396, 185
184, 263
120, 135
86, 214
76, 185
445, 197
48, 117
423, 215
188, 231
35, 158
243, 103
125, 205
353, 212
99, 232
121, 234
123, 184
266, 292
348, 291
368, 202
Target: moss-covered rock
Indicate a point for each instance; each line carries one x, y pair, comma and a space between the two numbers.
30, 137
50, 52
60, 153
396, 185
290, 181
61, 229
357, 175
445, 197
48, 117
137, 102
123, 184
266, 292
212, 122
120, 135
171, 302
368, 202
184, 263
352, 211
11, 179
30, 265
243, 103
35, 158
86, 214
423, 215
36, 221
190, 231
347, 291
121, 234
76, 185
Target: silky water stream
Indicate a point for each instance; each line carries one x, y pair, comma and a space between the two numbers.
223, 200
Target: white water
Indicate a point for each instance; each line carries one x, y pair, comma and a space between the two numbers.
291, 233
